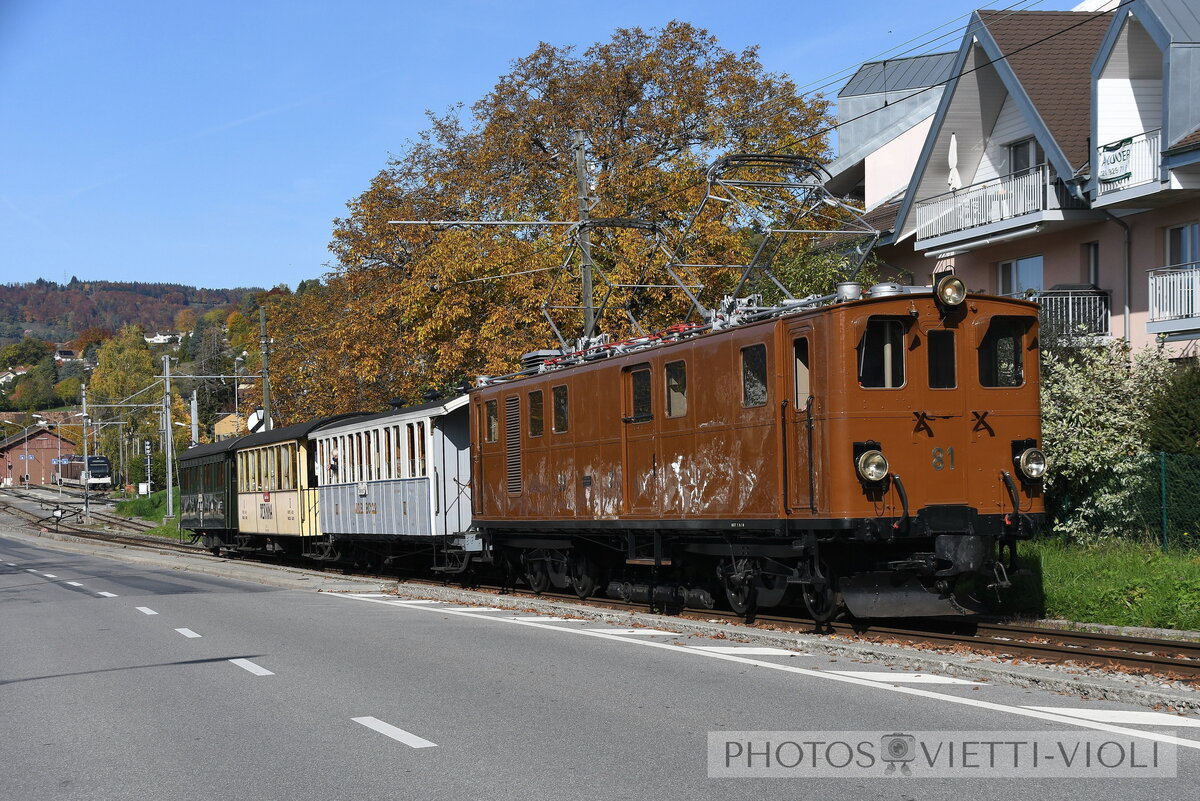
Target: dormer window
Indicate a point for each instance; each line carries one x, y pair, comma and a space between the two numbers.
1024, 156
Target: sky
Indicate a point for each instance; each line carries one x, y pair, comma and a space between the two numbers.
213, 143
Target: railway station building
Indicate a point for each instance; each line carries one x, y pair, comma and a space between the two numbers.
32, 453
1060, 161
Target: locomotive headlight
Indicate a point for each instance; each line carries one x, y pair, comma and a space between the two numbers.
1032, 464
872, 466
951, 291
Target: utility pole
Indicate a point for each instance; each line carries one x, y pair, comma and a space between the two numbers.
585, 235
169, 428
264, 345
195, 419
85, 473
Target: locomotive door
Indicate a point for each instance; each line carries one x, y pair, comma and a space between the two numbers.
800, 426
639, 441
939, 419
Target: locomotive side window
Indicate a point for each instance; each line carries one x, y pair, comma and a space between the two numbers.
881, 354
803, 383
1001, 353
941, 360
537, 421
754, 375
560, 409
640, 409
676, 374
491, 426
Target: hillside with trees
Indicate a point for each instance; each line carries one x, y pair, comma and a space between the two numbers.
61, 312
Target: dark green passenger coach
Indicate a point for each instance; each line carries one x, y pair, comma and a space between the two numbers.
208, 490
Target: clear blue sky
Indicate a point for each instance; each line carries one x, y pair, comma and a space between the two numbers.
212, 143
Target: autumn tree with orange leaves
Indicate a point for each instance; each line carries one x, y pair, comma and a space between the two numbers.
410, 309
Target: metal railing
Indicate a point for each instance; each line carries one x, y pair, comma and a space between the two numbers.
1127, 162
992, 201
1174, 291
1076, 312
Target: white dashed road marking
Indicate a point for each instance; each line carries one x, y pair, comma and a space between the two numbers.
1122, 716
828, 675
74, 583
257, 670
145, 610
188, 633
107, 594
49, 575
388, 730
746, 650
901, 678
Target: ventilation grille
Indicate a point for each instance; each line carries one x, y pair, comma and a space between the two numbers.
512, 442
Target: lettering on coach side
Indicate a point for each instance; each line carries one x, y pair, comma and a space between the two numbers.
366, 508
266, 511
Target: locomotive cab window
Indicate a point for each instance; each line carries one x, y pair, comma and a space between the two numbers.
676, 375
560, 409
754, 375
491, 425
803, 381
640, 410
1002, 353
881, 354
941, 360
536, 417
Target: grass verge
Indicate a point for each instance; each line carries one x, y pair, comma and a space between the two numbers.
153, 508
1117, 583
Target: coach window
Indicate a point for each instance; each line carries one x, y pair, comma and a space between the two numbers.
640, 386
560, 409
1001, 353
491, 426
881, 354
285, 472
754, 375
676, 373
421, 448
537, 420
942, 371
803, 382
412, 450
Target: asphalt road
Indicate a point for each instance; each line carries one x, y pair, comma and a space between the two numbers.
126, 681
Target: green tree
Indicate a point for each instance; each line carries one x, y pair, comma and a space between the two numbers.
29, 350
1175, 417
125, 367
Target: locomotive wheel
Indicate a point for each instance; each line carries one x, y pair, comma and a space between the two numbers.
536, 575
583, 574
739, 591
822, 605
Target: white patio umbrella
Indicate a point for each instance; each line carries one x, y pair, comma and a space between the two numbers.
955, 181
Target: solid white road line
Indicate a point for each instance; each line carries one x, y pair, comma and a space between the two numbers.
829, 675
371, 595
107, 594
246, 664
901, 678
145, 610
546, 619
74, 583
646, 632
49, 575
387, 729
476, 609
746, 650
188, 633
414, 602
1137, 718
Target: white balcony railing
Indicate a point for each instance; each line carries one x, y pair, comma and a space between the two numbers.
1127, 162
1075, 312
1175, 292
991, 202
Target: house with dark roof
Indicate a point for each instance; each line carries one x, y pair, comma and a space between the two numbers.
1009, 191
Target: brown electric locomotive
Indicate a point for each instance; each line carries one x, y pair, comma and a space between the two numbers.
878, 452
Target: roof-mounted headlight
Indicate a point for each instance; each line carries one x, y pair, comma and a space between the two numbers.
951, 291
872, 466
1032, 464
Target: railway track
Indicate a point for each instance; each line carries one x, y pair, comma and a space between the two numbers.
1173, 659
129, 531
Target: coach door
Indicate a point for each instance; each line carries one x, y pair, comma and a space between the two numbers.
638, 440
800, 424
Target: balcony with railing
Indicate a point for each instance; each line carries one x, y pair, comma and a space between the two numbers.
1127, 163
984, 207
1075, 312
1175, 299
